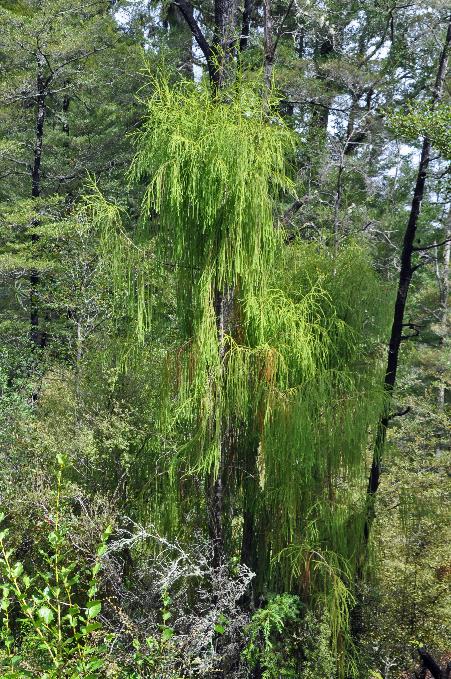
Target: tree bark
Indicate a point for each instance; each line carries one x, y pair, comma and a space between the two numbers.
223, 41
430, 664
444, 295
223, 302
319, 120
37, 336
245, 25
269, 43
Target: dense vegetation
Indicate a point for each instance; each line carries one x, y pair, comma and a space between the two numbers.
225, 237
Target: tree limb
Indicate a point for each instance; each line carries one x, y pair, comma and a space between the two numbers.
186, 9
434, 245
430, 664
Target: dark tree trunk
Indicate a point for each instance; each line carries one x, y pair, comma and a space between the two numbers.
245, 24
405, 277
37, 154
37, 336
444, 294
183, 40
430, 664
269, 42
223, 42
224, 302
319, 120
66, 104
320, 116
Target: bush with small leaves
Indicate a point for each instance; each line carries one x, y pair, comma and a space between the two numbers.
272, 638
49, 618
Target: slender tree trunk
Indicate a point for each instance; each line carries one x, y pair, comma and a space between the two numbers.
36, 335
252, 533
219, 57
405, 277
245, 25
224, 302
431, 665
66, 104
269, 43
444, 295
183, 40
222, 64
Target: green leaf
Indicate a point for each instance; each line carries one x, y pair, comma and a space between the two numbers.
46, 614
95, 665
166, 615
53, 538
219, 629
92, 627
17, 570
167, 634
151, 642
93, 608
107, 532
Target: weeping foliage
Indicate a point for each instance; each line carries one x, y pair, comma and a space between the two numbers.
212, 170
281, 400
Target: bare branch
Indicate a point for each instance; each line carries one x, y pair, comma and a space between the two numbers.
186, 9
434, 245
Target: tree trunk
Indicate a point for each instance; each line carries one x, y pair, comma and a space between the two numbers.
183, 38
224, 301
36, 335
245, 25
444, 295
223, 42
269, 43
431, 665
319, 121
405, 277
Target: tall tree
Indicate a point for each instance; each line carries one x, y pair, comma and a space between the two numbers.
50, 51
407, 269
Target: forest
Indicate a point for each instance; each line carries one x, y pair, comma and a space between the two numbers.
225, 363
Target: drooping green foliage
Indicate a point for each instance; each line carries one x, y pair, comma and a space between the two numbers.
183, 404
279, 400
212, 170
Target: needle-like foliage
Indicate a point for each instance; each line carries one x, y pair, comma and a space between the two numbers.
292, 381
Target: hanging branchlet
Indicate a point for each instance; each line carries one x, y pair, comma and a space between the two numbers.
298, 386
